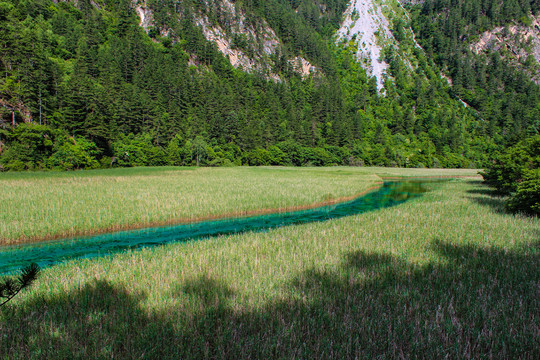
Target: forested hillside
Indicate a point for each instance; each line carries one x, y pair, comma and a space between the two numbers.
500, 89
89, 83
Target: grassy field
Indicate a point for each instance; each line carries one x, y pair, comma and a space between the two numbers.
45, 205
448, 275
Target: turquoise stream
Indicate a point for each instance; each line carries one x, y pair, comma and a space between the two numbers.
50, 253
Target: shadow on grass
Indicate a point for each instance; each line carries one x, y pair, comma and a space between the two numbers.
481, 188
206, 291
476, 303
484, 195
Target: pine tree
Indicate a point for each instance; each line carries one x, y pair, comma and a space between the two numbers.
10, 287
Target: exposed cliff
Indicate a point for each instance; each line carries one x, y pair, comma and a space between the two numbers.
194, 73
518, 43
370, 27
366, 26
249, 44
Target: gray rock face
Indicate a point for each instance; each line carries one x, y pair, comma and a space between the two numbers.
366, 25
412, 2
261, 40
517, 43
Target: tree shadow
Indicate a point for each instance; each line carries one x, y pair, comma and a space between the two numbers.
497, 204
474, 303
479, 304
98, 321
207, 291
484, 195
481, 188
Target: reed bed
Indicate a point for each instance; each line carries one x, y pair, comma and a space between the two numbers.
386, 172
448, 275
48, 205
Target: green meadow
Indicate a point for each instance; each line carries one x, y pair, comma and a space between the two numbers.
447, 275
48, 204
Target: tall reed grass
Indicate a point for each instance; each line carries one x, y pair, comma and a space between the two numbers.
448, 275
46, 205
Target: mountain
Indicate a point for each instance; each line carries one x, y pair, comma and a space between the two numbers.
249, 45
91, 83
370, 26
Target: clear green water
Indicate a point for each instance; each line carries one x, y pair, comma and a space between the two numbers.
51, 253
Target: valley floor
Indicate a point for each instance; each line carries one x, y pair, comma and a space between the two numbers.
48, 205
450, 274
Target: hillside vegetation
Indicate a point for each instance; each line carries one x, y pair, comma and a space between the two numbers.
516, 172
106, 91
499, 89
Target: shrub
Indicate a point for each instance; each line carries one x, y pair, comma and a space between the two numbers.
508, 169
257, 157
156, 157
527, 196
277, 156
516, 173
15, 165
138, 150
27, 144
73, 154
221, 162
294, 154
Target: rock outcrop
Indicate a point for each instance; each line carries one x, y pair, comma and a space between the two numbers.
518, 43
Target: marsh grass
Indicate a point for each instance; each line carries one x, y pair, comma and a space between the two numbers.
388, 172
47, 205
447, 275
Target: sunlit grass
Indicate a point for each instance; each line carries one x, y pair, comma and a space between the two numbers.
423, 172
447, 275
38, 205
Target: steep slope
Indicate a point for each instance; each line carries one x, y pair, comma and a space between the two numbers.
369, 29
489, 50
249, 44
221, 82
369, 26
518, 43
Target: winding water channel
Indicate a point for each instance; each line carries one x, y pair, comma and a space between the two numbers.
50, 253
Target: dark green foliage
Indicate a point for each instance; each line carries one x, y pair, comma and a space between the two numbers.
527, 196
138, 150
10, 287
511, 167
300, 24
502, 94
73, 154
30, 146
179, 151
516, 172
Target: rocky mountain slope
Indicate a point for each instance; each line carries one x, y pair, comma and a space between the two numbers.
369, 26
249, 45
518, 43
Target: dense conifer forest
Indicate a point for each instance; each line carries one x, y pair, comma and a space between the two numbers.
503, 95
84, 86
